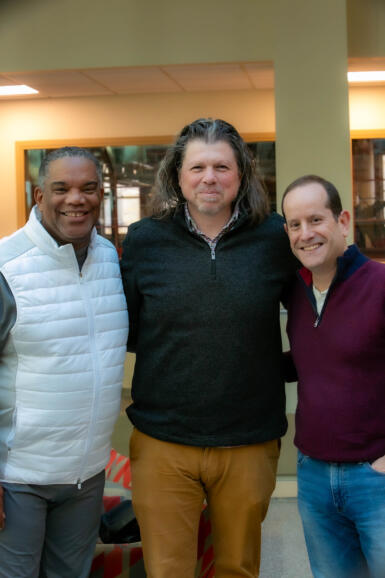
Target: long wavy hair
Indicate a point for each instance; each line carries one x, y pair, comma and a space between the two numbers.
251, 197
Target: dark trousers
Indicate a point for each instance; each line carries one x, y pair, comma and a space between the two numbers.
50, 531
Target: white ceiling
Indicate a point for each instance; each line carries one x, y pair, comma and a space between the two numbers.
155, 79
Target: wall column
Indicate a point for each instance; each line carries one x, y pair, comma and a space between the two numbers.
311, 94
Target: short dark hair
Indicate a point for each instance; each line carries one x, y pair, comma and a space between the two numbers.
333, 197
168, 195
68, 152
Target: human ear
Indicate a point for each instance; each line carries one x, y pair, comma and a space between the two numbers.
38, 196
344, 221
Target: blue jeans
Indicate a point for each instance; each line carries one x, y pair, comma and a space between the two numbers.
342, 506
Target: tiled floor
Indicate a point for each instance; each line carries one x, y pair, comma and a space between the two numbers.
283, 546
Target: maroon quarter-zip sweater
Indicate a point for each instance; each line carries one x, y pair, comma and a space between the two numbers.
340, 361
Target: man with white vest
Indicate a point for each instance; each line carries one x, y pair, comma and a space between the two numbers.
63, 334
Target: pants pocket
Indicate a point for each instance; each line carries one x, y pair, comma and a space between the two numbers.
301, 458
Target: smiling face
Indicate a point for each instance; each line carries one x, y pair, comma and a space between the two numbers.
70, 200
316, 237
209, 179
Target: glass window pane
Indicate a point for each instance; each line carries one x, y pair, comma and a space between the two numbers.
369, 195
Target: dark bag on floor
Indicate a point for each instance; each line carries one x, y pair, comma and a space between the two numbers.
119, 525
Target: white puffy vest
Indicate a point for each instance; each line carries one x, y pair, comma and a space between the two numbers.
62, 367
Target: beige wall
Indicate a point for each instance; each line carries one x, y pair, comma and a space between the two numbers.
311, 92
366, 24
46, 34
367, 108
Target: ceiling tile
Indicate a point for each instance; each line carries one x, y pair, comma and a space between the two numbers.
153, 79
358, 64
209, 77
60, 83
134, 80
6, 81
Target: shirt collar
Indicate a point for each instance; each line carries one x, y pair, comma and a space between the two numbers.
193, 228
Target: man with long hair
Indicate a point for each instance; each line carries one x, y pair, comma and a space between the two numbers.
203, 279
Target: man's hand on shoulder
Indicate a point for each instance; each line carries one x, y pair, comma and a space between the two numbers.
379, 464
2, 514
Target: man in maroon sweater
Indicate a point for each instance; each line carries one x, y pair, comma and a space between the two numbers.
336, 327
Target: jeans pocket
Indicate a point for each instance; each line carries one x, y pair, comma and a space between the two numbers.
301, 458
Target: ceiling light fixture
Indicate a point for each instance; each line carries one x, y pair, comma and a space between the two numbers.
366, 76
17, 89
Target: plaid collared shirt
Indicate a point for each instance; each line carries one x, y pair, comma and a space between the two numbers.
212, 243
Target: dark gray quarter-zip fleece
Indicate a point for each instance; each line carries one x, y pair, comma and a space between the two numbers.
206, 331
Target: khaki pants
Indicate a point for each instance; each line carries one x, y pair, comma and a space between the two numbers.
170, 482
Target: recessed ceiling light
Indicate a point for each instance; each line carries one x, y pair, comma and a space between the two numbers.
17, 89
366, 76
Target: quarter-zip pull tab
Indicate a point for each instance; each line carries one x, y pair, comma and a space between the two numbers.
213, 262
79, 484
316, 322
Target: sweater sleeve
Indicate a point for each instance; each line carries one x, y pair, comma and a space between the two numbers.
133, 297
7, 311
289, 369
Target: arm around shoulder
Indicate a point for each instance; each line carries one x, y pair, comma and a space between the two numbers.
289, 369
